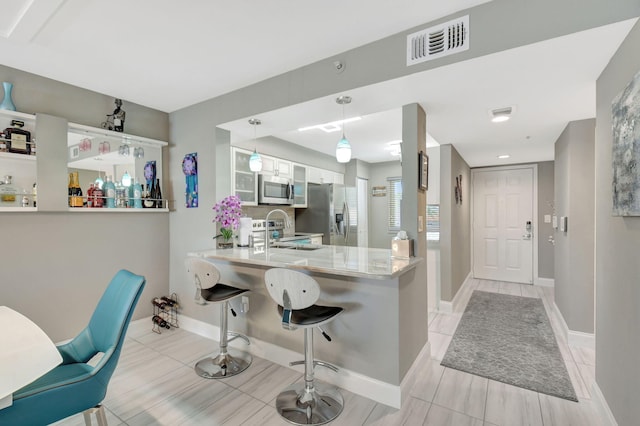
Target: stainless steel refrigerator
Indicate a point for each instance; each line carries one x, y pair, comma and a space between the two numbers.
331, 210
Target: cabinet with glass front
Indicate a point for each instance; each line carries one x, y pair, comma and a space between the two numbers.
243, 181
112, 171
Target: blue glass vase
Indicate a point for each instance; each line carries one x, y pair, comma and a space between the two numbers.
7, 102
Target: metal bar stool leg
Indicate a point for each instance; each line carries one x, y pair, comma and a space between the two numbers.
312, 403
228, 362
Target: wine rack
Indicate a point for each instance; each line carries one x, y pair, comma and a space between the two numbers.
165, 308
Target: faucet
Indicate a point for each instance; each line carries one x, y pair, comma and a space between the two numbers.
287, 224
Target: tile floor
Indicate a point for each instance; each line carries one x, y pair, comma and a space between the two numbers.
154, 384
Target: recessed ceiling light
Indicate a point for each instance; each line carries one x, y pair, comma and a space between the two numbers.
503, 156
394, 148
500, 115
333, 126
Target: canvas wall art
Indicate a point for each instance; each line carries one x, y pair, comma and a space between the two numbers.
625, 121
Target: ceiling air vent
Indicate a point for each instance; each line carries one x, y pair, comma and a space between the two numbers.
436, 42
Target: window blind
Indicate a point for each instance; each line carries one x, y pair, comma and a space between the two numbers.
395, 201
433, 222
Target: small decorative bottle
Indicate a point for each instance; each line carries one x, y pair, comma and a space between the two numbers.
137, 194
7, 192
110, 193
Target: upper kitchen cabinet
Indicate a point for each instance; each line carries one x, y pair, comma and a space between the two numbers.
299, 186
126, 160
277, 167
243, 181
18, 169
316, 175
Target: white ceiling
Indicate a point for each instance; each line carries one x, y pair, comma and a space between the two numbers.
169, 55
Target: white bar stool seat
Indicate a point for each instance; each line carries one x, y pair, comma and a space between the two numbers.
295, 293
228, 362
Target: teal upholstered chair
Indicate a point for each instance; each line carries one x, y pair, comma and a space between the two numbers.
75, 386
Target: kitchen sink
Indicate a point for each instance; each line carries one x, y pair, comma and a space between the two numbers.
293, 246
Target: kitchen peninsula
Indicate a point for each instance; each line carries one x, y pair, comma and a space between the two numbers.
375, 341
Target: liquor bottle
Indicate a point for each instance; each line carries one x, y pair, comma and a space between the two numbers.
98, 196
130, 196
158, 195
170, 302
76, 192
70, 190
7, 192
137, 194
18, 139
148, 201
162, 323
109, 189
35, 195
90, 196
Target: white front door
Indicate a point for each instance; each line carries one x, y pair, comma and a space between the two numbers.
502, 209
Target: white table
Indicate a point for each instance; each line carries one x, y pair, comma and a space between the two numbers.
26, 353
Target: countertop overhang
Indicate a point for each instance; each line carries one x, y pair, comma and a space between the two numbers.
336, 260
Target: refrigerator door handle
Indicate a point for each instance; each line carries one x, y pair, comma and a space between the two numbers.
345, 221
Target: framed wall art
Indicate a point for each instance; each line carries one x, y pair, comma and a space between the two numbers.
625, 123
423, 171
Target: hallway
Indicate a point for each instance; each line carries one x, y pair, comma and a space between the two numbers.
155, 384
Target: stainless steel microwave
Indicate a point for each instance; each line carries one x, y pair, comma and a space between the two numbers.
274, 190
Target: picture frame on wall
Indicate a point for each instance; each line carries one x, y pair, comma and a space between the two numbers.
423, 171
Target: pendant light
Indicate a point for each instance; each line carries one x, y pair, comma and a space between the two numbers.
343, 149
255, 161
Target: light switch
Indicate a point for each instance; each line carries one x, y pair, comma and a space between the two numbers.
563, 224
547, 218
554, 222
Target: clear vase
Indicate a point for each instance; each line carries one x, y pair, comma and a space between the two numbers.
225, 244
7, 102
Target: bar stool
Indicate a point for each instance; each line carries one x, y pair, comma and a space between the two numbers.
206, 278
295, 293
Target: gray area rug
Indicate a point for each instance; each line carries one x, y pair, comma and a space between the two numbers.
509, 339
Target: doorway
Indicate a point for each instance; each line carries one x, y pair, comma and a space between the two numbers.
504, 247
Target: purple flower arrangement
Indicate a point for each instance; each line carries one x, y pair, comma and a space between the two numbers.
228, 214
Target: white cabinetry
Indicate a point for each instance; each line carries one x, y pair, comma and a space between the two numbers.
277, 167
21, 167
243, 181
317, 175
299, 186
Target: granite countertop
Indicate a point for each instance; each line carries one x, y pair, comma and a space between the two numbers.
335, 260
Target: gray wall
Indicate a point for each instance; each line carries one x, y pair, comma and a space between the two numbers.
545, 207
455, 225
574, 198
379, 235
193, 128
56, 265
617, 248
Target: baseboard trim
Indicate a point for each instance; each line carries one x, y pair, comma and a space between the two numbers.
377, 390
446, 307
411, 376
580, 339
602, 406
545, 282
575, 338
